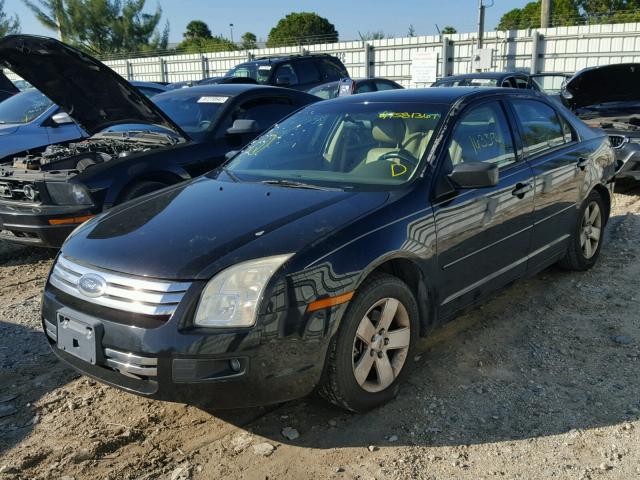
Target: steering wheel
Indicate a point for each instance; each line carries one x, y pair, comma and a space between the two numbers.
402, 155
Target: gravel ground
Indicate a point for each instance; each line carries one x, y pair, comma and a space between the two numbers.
540, 382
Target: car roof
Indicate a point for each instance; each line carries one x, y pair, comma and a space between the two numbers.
283, 58
445, 95
227, 90
487, 75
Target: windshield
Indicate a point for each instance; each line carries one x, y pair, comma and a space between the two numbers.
24, 107
468, 82
195, 114
258, 71
350, 146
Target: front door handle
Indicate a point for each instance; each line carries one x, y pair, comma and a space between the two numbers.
521, 189
582, 163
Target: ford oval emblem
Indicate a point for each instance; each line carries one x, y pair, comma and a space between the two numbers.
92, 285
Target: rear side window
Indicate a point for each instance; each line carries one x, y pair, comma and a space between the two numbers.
385, 85
365, 87
482, 135
287, 74
331, 70
541, 127
307, 72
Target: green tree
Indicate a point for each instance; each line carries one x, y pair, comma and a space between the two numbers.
610, 11
448, 30
563, 12
103, 26
202, 45
197, 29
411, 32
8, 25
302, 28
249, 41
51, 14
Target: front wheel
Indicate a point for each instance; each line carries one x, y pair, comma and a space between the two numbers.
377, 334
586, 239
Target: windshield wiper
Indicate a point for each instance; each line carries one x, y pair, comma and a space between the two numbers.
293, 184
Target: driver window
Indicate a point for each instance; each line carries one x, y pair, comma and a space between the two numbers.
482, 135
286, 70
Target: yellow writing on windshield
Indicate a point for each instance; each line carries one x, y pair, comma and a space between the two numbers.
407, 115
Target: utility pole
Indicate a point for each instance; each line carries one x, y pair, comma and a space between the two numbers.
231, 28
545, 13
481, 8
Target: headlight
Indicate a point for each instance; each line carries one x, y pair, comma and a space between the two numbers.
63, 193
231, 298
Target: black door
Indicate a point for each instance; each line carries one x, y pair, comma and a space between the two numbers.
483, 234
551, 148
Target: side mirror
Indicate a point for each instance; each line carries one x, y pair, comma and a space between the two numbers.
61, 118
475, 175
244, 127
283, 80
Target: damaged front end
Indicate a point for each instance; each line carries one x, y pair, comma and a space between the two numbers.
43, 197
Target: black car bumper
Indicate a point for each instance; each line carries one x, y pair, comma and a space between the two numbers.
628, 161
40, 225
279, 359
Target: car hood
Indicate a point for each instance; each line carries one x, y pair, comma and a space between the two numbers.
596, 85
95, 96
194, 230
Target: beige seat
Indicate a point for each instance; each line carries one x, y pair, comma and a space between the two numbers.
390, 132
416, 138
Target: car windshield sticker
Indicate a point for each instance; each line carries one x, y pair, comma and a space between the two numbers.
398, 169
404, 115
264, 67
483, 140
212, 99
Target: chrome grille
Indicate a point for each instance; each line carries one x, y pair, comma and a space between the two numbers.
120, 292
16, 190
617, 141
130, 364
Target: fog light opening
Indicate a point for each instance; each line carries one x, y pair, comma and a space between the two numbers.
234, 365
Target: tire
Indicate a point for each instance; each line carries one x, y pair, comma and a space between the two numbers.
349, 354
584, 249
141, 188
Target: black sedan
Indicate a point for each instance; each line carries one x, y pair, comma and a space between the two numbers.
319, 254
135, 147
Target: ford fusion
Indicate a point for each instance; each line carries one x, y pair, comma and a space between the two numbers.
136, 146
316, 257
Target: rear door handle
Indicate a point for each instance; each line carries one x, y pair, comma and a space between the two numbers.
582, 162
521, 189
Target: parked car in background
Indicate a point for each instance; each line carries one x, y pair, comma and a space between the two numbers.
549, 83
33, 122
29, 121
318, 255
348, 86
7, 88
608, 97
301, 72
135, 145
150, 89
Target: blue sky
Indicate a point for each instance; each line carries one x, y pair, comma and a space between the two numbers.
349, 16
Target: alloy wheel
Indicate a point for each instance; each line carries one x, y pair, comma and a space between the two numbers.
381, 345
591, 230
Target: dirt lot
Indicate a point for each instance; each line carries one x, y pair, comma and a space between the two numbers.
541, 382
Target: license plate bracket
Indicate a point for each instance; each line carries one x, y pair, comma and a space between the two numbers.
80, 337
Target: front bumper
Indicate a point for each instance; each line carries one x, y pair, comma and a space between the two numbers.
628, 161
29, 224
279, 359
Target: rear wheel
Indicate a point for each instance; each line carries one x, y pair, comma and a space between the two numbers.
141, 188
376, 337
586, 239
